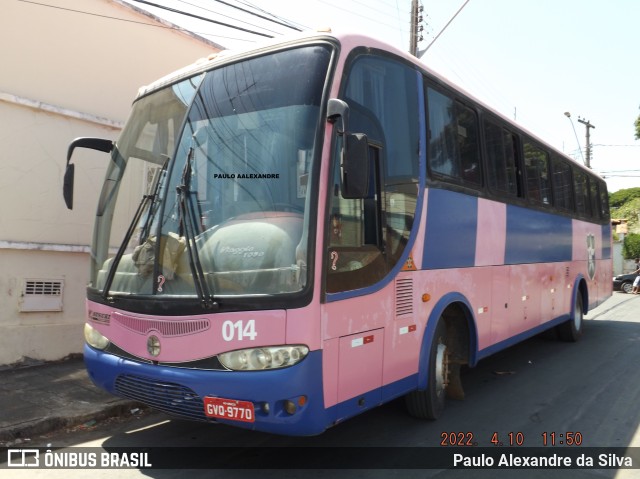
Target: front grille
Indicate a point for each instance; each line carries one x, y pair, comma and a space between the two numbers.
167, 397
166, 327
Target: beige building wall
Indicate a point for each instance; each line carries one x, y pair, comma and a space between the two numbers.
69, 69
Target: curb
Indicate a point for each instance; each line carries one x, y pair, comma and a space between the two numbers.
19, 433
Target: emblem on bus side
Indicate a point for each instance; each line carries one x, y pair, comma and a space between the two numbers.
591, 256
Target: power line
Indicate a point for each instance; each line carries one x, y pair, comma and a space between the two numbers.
368, 5
199, 17
107, 17
92, 14
623, 146
290, 22
445, 27
255, 14
223, 15
359, 14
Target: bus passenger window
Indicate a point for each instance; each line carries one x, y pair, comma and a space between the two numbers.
468, 145
595, 200
562, 184
453, 140
537, 170
581, 185
501, 160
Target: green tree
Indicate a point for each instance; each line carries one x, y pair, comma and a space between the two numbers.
631, 246
620, 197
637, 123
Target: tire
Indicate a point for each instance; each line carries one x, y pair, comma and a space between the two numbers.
429, 404
571, 330
626, 287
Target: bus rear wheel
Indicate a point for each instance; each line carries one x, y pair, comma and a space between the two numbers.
429, 403
571, 330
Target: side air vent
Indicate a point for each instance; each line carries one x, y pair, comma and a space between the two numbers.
404, 296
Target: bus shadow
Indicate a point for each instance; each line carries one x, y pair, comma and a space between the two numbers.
541, 386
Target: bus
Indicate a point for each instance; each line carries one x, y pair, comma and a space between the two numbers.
289, 236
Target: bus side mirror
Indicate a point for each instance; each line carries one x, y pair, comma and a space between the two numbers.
67, 186
354, 170
354, 153
99, 144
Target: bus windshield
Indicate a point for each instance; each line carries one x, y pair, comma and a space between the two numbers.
210, 181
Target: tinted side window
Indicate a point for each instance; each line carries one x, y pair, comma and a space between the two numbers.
604, 201
453, 140
581, 186
469, 145
501, 159
562, 184
536, 164
595, 199
384, 92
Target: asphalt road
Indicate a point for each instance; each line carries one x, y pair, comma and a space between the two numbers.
541, 387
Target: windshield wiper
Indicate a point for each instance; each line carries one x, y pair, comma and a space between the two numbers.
186, 209
149, 199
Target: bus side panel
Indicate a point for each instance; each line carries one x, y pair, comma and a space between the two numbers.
592, 258
360, 364
537, 237
500, 314
402, 346
303, 326
366, 345
491, 233
330, 351
450, 239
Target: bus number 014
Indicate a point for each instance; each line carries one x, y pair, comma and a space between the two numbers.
231, 329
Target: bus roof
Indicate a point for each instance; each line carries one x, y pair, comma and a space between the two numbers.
347, 40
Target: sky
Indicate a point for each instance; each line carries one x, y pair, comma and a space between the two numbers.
531, 60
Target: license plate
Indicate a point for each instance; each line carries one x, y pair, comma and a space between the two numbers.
232, 409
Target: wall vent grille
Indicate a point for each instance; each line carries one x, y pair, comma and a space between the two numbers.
41, 295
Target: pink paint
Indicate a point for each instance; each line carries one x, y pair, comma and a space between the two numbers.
360, 366
188, 338
491, 234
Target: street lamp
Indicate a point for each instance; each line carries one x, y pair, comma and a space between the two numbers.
568, 115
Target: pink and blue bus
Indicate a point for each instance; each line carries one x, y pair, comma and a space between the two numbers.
292, 235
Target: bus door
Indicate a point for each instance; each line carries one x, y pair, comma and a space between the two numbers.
368, 340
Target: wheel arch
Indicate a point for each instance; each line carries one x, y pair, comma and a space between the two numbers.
462, 335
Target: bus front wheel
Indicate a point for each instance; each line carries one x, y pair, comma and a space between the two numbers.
429, 403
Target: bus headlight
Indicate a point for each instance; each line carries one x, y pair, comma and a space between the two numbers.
269, 357
94, 338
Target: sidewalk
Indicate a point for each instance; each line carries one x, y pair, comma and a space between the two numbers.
38, 399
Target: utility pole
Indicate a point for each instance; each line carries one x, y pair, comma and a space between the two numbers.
416, 28
588, 125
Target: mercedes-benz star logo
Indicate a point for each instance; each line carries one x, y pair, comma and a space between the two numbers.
153, 346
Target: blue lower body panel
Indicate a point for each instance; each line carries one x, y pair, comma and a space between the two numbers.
180, 392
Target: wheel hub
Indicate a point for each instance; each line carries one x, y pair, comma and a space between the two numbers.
442, 368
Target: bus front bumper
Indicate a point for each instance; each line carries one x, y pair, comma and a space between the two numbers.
285, 401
